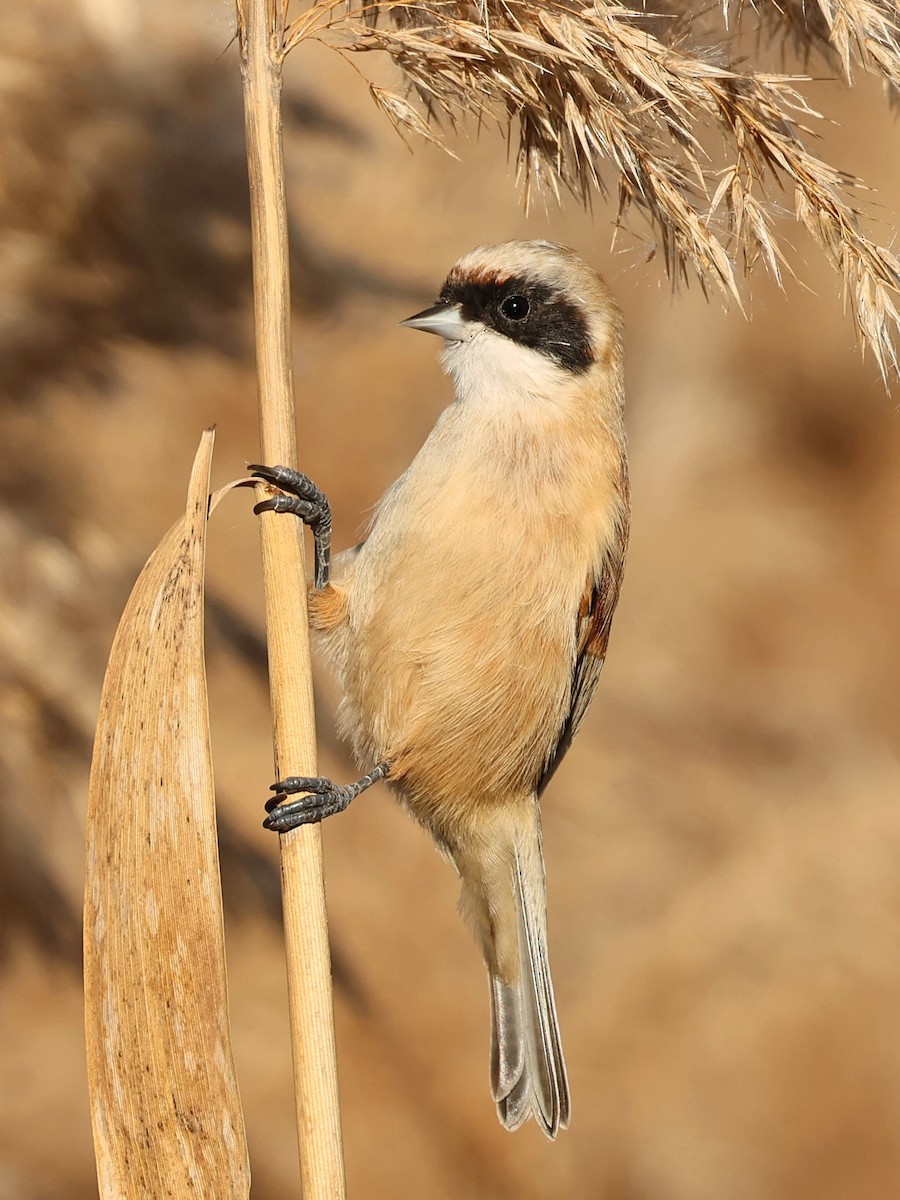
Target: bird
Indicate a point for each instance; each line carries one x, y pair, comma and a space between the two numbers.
468, 629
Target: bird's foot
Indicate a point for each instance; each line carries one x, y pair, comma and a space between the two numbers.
321, 798
306, 501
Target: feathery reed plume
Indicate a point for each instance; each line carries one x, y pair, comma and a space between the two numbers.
588, 87
845, 33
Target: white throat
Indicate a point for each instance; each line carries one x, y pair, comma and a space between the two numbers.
501, 377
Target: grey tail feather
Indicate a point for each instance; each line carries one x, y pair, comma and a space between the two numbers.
528, 1073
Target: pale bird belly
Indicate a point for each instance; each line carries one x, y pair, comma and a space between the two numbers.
460, 645
475, 703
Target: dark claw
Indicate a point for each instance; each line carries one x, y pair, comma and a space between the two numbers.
288, 480
308, 809
305, 501
316, 784
276, 475
322, 798
304, 509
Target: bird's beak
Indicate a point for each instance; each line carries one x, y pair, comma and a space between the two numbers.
446, 320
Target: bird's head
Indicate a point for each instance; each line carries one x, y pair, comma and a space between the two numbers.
525, 319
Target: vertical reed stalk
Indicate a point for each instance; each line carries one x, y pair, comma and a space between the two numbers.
261, 24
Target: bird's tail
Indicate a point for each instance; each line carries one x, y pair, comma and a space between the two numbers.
528, 1073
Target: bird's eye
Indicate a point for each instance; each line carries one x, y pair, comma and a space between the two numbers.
515, 308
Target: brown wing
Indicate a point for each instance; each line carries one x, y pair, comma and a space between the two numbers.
594, 620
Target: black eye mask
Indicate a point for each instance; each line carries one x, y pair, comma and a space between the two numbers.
526, 312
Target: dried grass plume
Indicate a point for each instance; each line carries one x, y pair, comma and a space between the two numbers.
599, 98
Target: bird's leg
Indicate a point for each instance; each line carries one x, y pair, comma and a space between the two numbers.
322, 799
319, 797
308, 503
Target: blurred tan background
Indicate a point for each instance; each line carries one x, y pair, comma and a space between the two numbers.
723, 841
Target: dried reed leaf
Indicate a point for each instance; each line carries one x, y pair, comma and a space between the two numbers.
164, 1100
